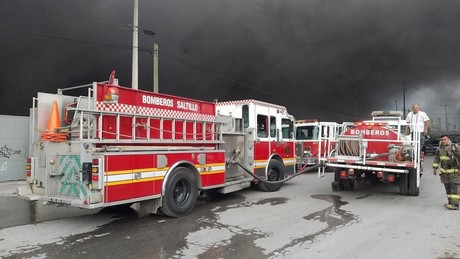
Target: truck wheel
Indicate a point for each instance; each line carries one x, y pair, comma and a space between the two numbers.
413, 189
337, 184
403, 184
275, 173
181, 193
348, 184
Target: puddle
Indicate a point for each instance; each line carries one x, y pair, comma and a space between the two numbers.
333, 216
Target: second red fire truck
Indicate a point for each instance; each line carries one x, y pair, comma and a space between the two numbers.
315, 139
377, 150
119, 146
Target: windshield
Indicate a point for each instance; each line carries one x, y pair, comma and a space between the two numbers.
306, 132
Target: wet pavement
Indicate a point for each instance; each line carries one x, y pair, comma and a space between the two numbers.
305, 219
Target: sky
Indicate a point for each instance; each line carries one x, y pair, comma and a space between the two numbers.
332, 60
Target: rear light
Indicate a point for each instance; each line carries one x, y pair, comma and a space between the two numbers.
391, 178
343, 174
29, 169
112, 95
96, 175
379, 174
351, 171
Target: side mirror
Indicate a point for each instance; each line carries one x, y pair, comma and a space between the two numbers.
278, 136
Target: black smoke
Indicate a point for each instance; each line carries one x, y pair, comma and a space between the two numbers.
330, 60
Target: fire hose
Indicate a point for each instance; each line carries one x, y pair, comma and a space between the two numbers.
279, 181
348, 148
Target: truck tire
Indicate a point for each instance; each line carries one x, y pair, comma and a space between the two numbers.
275, 172
181, 193
337, 184
348, 184
413, 189
403, 184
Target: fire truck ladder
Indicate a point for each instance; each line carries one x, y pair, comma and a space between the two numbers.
89, 127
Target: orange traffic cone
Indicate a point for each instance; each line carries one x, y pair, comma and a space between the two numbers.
54, 122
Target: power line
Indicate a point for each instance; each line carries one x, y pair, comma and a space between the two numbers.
178, 43
185, 62
252, 6
44, 36
261, 5
170, 56
143, 49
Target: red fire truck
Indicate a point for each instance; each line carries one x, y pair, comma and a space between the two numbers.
377, 150
315, 139
120, 146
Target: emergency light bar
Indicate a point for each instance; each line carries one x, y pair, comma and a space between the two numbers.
367, 123
387, 113
306, 121
112, 95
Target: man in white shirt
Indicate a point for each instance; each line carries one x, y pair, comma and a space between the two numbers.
419, 123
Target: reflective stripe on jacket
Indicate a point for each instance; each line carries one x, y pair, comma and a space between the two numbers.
449, 171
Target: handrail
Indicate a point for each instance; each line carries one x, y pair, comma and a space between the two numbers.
61, 90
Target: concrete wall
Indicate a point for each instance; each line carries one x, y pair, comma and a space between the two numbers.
14, 147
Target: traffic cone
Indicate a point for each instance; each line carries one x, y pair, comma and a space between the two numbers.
54, 122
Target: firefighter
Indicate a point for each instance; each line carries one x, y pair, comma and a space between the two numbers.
447, 158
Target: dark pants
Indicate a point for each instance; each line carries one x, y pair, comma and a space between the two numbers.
452, 184
422, 140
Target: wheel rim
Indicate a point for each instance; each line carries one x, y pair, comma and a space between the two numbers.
273, 175
181, 192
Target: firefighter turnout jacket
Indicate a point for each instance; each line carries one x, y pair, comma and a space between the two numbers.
447, 158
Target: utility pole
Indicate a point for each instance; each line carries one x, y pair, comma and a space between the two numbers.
404, 100
154, 54
396, 105
155, 68
445, 111
356, 104
403, 83
135, 76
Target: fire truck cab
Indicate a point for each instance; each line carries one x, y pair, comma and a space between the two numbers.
119, 146
315, 139
270, 129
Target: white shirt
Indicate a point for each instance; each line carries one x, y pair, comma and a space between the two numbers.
418, 119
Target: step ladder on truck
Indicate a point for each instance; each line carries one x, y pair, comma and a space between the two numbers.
377, 150
116, 146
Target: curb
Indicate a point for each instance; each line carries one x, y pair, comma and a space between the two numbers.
11, 188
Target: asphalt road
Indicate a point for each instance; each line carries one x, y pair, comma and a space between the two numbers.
305, 219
